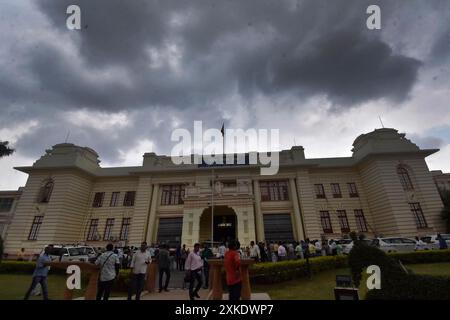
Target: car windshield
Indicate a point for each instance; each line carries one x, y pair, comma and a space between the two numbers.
76, 251
408, 241
446, 236
392, 240
426, 239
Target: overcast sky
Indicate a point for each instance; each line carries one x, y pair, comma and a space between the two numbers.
139, 69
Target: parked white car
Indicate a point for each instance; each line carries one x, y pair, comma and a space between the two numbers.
433, 242
69, 253
394, 244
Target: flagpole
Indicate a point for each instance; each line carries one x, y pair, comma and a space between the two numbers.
212, 210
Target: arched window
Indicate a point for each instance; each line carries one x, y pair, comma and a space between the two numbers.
45, 192
404, 178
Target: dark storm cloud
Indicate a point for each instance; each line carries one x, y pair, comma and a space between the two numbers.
167, 59
262, 46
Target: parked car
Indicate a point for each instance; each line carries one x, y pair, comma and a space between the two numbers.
433, 242
394, 244
69, 253
349, 246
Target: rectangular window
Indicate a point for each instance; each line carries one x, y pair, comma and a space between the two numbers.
93, 231
114, 199
326, 222
274, 190
336, 190
125, 228
128, 201
37, 222
229, 184
343, 221
6, 204
98, 199
320, 191
172, 194
169, 231
361, 222
416, 209
352, 191
108, 229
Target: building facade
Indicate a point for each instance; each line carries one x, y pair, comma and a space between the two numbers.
8, 203
442, 180
384, 188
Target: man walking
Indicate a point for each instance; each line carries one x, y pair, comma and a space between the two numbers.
109, 268
255, 253
164, 267
138, 266
40, 275
194, 265
232, 264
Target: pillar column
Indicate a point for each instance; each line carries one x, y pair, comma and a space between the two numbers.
245, 225
295, 205
259, 219
152, 215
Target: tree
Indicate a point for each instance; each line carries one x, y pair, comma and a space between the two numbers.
5, 150
445, 212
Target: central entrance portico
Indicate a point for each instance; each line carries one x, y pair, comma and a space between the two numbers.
224, 224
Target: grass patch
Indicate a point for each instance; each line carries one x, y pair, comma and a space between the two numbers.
320, 286
13, 287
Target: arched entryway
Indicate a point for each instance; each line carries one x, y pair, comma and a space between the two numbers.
224, 227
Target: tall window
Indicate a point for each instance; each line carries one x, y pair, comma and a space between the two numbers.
93, 230
125, 228
108, 229
37, 222
361, 222
336, 190
128, 201
172, 194
98, 199
45, 192
6, 204
320, 191
274, 190
416, 209
352, 191
343, 221
114, 199
326, 222
404, 178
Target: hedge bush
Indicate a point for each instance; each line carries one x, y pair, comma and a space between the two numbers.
396, 284
425, 256
273, 272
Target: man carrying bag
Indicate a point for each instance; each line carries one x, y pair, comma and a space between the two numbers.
109, 269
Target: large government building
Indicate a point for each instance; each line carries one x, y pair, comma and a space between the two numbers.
385, 188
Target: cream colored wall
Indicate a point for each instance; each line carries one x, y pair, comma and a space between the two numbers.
341, 176
110, 185
63, 215
389, 202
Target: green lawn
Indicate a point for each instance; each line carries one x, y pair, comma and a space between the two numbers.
320, 287
13, 287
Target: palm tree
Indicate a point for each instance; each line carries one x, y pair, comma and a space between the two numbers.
445, 212
5, 150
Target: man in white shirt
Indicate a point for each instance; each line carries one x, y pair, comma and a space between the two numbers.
222, 250
138, 266
281, 252
194, 265
255, 254
318, 246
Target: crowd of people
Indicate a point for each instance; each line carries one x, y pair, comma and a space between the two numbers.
195, 263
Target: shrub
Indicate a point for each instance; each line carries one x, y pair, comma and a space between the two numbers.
395, 282
273, 272
425, 256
